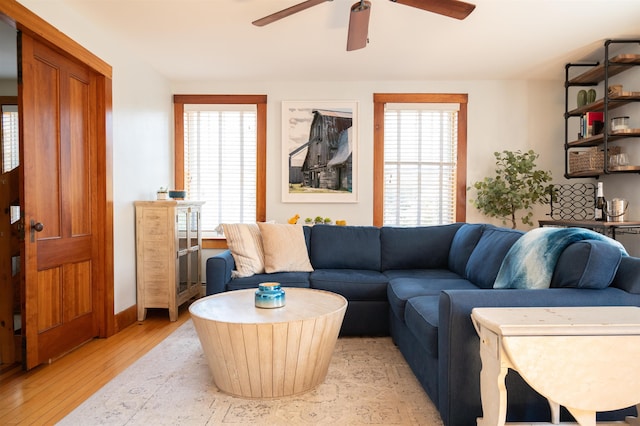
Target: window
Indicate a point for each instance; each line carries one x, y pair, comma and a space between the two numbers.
9, 137
220, 158
419, 159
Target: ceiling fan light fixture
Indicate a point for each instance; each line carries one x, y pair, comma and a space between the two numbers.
359, 25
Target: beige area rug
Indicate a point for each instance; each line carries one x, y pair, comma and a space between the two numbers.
368, 383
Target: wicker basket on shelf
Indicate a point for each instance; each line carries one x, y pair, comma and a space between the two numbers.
590, 159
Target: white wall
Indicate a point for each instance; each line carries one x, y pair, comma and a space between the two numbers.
502, 115
513, 115
8, 87
142, 134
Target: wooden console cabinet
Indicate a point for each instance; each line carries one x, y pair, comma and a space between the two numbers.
168, 254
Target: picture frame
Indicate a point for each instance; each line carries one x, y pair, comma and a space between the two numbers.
319, 151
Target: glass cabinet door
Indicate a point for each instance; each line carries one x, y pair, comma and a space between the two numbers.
194, 267
183, 274
182, 228
194, 226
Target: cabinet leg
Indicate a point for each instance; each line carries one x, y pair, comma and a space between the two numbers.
142, 313
173, 314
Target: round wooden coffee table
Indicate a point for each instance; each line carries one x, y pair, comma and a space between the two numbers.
265, 353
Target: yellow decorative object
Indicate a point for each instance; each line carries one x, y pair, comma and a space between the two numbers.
293, 220
341, 222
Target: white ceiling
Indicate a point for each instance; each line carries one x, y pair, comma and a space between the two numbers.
501, 39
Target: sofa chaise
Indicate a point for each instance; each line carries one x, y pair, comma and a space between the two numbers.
419, 285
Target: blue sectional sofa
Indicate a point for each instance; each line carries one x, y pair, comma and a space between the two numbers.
419, 284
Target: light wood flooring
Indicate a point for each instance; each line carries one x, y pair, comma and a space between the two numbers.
48, 393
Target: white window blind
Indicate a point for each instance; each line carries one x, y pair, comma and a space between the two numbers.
10, 144
220, 144
420, 152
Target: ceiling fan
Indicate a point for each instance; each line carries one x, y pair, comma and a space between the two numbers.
359, 16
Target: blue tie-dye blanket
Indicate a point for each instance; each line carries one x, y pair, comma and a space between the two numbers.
531, 260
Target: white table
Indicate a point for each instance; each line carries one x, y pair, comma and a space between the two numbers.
586, 359
265, 353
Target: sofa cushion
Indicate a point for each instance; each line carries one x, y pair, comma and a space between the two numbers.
353, 284
245, 243
345, 247
421, 317
462, 246
401, 289
286, 279
424, 247
587, 264
285, 248
485, 260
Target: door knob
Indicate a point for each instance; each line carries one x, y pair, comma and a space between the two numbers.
35, 227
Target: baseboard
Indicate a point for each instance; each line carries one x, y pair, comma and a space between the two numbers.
125, 318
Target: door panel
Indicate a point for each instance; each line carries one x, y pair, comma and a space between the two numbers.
59, 179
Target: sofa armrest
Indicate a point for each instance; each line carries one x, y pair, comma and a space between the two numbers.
458, 347
219, 269
628, 275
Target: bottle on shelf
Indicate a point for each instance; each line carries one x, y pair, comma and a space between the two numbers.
600, 203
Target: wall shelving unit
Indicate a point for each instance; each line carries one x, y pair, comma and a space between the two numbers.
596, 74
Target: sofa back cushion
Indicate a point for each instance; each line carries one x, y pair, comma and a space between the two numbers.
486, 258
422, 247
345, 247
462, 246
587, 264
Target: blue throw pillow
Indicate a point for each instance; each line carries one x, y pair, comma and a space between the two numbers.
484, 263
532, 260
462, 246
587, 264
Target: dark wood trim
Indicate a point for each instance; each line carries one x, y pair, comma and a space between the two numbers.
124, 319
261, 165
379, 101
178, 140
179, 101
214, 243
461, 169
105, 172
220, 99
8, 100
378, 162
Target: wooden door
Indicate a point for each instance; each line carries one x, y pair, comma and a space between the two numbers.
59, 187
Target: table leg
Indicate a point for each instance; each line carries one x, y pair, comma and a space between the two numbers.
555, 412
583, 417
492, 389
634, 421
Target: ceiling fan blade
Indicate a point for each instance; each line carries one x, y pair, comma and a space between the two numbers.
452, 8
287, 12
358, 25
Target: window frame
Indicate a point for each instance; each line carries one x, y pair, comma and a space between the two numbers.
13, 102
260, 101
379, 102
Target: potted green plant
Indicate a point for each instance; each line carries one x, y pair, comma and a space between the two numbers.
517, 185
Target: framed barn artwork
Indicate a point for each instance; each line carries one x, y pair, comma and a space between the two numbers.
319, 150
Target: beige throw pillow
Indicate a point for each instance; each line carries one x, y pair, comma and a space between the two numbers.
284, 248
245, 244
